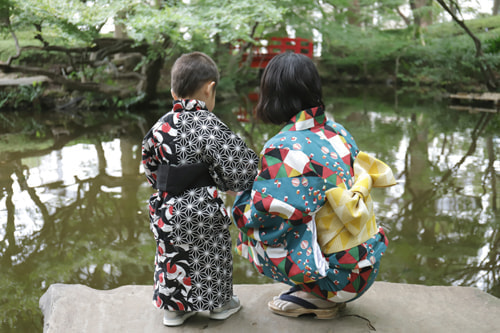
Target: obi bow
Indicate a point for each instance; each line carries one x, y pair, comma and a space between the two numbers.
347, 219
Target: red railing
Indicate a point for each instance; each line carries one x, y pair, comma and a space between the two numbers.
262, 54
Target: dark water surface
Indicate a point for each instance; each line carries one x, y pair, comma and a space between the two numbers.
73, 206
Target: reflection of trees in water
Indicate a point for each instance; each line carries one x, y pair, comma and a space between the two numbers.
439, 247
490, 263
98, 239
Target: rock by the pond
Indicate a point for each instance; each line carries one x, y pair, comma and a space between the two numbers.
6, 80
386, 307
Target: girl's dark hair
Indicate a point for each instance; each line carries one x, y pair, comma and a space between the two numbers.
290, 83
190, 71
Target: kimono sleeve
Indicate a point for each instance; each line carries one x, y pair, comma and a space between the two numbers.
150, 159
233, 165
285, 194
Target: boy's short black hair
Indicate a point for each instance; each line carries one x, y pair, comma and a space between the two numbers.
190, 71
290, 83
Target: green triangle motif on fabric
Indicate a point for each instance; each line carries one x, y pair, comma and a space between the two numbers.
354, 252
271, 160
282, 172
356, 283
281, 266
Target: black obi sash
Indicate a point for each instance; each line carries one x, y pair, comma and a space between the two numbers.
177, 179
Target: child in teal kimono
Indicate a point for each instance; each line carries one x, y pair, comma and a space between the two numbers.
188, 156
309, 157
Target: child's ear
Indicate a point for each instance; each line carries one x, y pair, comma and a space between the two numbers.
210, 88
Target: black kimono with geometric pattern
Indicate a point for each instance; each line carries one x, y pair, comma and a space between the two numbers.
193, 261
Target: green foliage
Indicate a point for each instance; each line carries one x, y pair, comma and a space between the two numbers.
492, 45
116, 102
68, 22
351, 46
145, 23
173, 28
214, 19
447, 60
21, 97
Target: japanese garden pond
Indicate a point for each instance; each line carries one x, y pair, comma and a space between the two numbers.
73, 205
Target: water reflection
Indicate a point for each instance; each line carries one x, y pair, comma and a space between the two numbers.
447, 229
75, 210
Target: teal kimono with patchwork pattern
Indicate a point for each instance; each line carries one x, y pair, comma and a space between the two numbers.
309, 156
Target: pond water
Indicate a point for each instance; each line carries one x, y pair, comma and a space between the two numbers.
73, 207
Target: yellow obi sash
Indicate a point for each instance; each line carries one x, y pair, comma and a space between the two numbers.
347, 219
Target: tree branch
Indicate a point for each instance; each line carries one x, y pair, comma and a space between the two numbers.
18, 48
485, 68
406, 19
39, 36
103, 47
69, 84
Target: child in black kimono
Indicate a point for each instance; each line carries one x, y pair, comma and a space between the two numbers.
188, 156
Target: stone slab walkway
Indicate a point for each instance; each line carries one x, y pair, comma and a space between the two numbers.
386, 307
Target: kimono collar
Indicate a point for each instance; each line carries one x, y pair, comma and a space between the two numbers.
306, 119
188, 105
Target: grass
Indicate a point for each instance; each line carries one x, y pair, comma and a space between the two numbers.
8, 46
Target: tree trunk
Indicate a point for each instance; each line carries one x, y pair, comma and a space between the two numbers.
153, 75
120, 31
353, 15
496, 7
422, 16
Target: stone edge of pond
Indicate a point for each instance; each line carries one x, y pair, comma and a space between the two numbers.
386, 307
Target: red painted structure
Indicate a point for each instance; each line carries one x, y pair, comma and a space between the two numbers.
262, 54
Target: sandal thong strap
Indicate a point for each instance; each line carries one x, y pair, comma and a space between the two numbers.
292, 290
297, 300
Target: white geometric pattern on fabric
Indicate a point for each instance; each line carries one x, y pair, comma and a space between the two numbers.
195, 222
